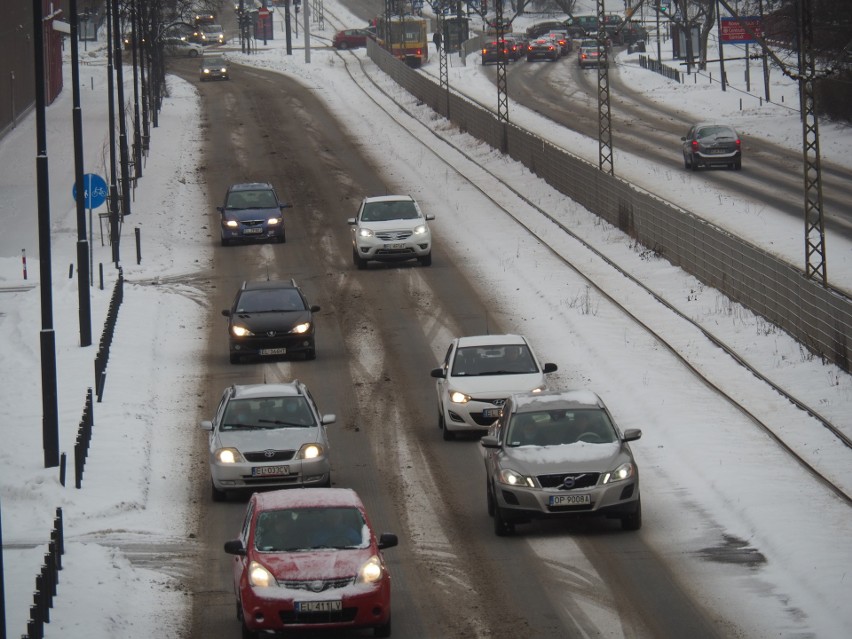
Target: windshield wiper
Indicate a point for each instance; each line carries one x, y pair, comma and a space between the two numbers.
279, 422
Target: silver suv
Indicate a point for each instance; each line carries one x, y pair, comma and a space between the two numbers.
559, 454
390, 228
268, 436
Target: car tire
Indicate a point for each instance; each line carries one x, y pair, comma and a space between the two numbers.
247, 633
360, 262
343, 46
633, 521
447, 433
234, 359
218, 495
226, 242
489, 499
193, 54
738, 165
311, 354
693, 165
686, 163
282, 239
426, 260
384, 630
503, 527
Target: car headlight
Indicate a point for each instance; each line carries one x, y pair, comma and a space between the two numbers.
206, 70
365, 232
304, 327
625, 471
420, 230
260, 577
512, 478
459, 398
227, 455
231, 224
309, 451
240, 331
273, 221
370, 571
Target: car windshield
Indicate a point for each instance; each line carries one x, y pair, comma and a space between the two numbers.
512, 359
267, 413
558, 427
305, 529
715, 132
274, 300
211, 28
390, 210
256, 199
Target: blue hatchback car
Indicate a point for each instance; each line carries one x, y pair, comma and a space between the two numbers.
252, 212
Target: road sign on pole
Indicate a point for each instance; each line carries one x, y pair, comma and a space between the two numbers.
95, 190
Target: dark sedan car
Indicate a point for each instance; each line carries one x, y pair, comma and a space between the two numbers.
495, 51
543, 49
712, 145
270, 319
251, 212
214, 68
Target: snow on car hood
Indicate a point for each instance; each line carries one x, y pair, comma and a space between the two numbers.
315, 564
283, 438
577, 457
392, 225
497, 385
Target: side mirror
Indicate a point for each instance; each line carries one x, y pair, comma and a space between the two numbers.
285, 206
235, 547
315, 309
550, 368
328, 419
489, 441
388, 540
631, 434
438, 372
430, 217
226, 312
221, 209
351, 221
206, 425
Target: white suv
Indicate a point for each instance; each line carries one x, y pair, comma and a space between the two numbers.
477, 376
390, 228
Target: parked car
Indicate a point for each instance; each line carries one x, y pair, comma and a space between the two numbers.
542, 49
709, 145
559, 454
588, 54
495, 51
351, 38
177, 47
310, 560
270, 318
478, 374
589, 24
214, 68
267, 436
390, 228
540, 28
252, 212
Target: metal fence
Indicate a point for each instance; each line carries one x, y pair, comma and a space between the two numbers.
46, 581
102, 356
820, 318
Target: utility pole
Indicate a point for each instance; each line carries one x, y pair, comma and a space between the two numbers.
502, 87
605, 162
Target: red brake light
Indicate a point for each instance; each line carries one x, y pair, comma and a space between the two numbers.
695, 144
738, 143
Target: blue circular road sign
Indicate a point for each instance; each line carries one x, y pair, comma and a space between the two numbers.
95, 190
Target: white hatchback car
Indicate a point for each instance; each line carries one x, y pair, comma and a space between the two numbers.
477, 376
268, 436
390, 228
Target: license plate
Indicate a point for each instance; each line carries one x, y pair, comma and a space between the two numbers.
273, 351
718, 151
319, 606
253, 231
570, 500
394, 246
269, 471
492, 413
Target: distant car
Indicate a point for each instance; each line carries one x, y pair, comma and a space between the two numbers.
390, 228
177, 47
540, 28
516, 44
267, 436
712, 145
588, 23
212, 34
478, 374
559, 454
270, 318
496, 51
351, 38
252, 212
214, 68
310, 560
588, 54
566, 45
542, 49
204, 18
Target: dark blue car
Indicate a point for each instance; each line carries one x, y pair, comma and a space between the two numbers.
252, 212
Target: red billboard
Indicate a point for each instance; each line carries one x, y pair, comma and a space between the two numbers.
734, 29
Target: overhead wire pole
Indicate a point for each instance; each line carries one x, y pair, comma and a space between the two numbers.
605, 162
502, 88
443, 73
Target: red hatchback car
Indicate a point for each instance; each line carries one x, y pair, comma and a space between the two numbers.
351, 38
309, 559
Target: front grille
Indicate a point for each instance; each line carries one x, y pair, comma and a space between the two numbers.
313, 586
394, 251
341, 616
581, 480
276, 455
252, 223
393, 236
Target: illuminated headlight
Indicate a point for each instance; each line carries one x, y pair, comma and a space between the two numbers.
273, 221
223, 70
371, 571
260, 577
231, 224
420, 230
207, 71
459, 398
365, 232
241, 331
512, 478
309, 451
228, 456
625, 471
304, 327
